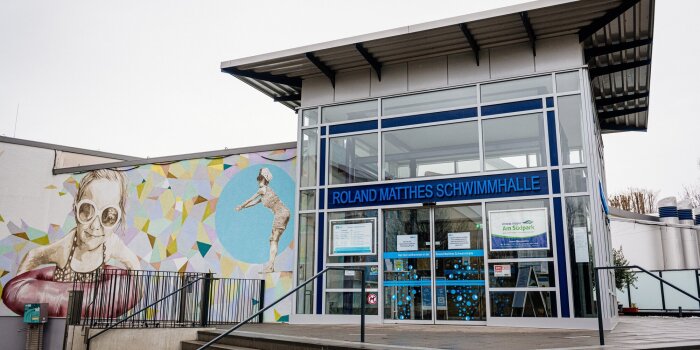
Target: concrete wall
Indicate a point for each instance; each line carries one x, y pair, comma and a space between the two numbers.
119, 339
12, 333
443, 71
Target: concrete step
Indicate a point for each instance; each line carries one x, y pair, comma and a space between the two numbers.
264, 341
196, 344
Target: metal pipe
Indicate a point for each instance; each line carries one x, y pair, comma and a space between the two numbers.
599, 307
671, 235
363, 300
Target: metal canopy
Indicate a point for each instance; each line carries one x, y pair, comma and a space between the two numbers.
616, 34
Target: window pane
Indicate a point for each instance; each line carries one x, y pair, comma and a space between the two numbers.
309, 117
348, 303
348, 259
541, 274
434, 150
575, 180
569, 112
349, 279
305, 267
567, 82
429, 101
307, 200
308, 158
581, 255
513, 89
514, 142
351, 111
353, 159
523, 304
513, 205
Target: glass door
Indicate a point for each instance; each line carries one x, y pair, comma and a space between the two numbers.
434, 265
408, 267
459, 264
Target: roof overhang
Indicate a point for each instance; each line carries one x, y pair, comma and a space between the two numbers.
616, 34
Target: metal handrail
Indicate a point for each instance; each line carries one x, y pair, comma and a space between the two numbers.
596, 270
362, 305
144, 309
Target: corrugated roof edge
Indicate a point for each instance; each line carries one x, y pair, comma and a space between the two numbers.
532, 5
177, 158
37, 144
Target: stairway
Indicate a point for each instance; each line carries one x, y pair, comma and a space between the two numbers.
241, 340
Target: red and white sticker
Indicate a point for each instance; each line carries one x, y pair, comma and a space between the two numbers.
371, 298
501, 270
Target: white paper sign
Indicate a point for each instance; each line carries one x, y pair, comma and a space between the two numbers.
501, 270
353, 239
581, 244
405, 243
459, 240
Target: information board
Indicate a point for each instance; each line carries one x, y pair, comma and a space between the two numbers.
352, 237
521, 229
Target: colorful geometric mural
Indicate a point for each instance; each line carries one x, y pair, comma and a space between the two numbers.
178, 216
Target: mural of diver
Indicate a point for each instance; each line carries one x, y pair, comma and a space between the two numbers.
280, 213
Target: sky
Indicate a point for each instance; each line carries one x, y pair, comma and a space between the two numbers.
142, 78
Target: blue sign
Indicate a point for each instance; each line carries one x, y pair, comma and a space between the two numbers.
520, 229
418, 254
426, 294
466, 188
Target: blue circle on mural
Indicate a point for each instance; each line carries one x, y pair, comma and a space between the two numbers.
246, 234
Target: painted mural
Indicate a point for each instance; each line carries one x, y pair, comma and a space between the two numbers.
229, 215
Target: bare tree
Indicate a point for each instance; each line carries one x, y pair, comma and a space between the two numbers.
636, 200
692, 193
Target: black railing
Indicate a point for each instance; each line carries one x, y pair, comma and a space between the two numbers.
660, 301
114, 298
596, 271
260, 313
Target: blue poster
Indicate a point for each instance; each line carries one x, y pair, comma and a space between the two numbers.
427, 295
520, 229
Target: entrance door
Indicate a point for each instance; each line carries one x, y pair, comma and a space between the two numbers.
434, 265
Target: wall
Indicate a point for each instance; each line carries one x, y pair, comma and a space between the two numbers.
13, 333
641, 243
443, 71
163, 338
179, 216
641, 240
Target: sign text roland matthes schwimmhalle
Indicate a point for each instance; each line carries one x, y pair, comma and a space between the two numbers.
502, 185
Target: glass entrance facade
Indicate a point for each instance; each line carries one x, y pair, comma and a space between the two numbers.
425, 191
434, 264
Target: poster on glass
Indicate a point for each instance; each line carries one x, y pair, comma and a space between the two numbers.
352, 237
521, 229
